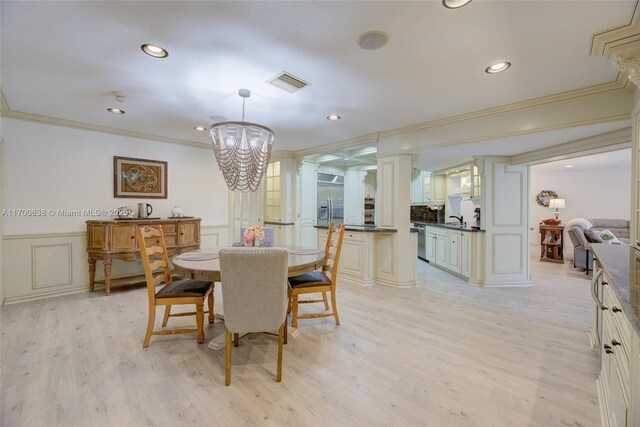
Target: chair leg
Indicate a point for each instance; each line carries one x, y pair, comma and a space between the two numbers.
167, 312
280, 340
289, 297
236, 339
334, 306
152, 319
210, 303
200, 322
294, 311
227, 362
286, 328
326, 303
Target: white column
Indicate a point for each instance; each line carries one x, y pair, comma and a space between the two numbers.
506, 213
397, 252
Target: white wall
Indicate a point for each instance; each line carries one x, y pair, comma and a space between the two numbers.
595, 193
54, 167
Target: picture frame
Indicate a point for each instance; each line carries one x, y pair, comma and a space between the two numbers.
139, 178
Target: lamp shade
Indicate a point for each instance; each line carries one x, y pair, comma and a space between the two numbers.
556, 203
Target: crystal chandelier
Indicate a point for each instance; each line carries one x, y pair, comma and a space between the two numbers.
243, 150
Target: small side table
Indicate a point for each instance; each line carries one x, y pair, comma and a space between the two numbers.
551, 244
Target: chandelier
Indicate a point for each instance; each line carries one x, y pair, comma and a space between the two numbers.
242, 150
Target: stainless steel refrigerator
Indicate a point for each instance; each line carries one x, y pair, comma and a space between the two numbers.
330, 199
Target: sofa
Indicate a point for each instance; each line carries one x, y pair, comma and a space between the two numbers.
576, 228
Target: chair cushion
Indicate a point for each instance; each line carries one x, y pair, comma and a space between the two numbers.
184, 288
308, 280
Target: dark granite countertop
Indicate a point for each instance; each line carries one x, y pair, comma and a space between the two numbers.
278, 223
364, 228
451, 226
618, 264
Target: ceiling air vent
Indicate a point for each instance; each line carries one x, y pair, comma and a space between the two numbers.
288, 82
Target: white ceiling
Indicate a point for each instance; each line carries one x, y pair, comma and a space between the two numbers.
613, 160
62, 59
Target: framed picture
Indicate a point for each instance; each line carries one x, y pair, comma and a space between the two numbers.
139, 178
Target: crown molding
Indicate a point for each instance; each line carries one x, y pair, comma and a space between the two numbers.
373, 138
6, 111
603, 42
608, 141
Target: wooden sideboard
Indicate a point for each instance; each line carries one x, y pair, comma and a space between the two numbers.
107, 240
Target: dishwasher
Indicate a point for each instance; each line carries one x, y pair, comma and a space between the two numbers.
422, 240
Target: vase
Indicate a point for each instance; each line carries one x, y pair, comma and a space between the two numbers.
176, 212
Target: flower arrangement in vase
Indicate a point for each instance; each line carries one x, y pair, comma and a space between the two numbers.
253, 233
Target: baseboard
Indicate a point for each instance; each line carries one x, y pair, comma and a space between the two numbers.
27, 298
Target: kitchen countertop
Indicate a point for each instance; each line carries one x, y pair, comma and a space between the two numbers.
451, 226
617, 263
364, 228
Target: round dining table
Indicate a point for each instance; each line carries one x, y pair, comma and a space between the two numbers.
204, 264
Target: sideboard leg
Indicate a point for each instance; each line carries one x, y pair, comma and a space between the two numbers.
107, 276
92, 274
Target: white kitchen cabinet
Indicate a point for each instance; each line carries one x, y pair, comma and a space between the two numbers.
453, 263
283, 234
357, 256
465, 254
618, 344
456, 251
306, 204
437, 245
417, 187
354, 191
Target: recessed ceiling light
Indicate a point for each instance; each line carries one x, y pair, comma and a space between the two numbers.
497, 67
372, 40
457, 170
200, 128
568, 166
115, 110
333, 117
153, 50
455, 4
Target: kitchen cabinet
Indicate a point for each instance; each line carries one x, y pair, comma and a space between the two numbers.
282, 234
354, 190
426, 188
456, 251
618, 383
357, 256
417, 186
476, 183
436, 246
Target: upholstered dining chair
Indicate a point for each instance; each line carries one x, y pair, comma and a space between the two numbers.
254, 291
153, 252
319, 281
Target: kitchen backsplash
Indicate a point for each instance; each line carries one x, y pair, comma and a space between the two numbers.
425, 214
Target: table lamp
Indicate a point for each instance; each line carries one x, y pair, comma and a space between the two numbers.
556, 204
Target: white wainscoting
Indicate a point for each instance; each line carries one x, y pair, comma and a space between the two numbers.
44, 265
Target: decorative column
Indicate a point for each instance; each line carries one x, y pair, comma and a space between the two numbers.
397, 251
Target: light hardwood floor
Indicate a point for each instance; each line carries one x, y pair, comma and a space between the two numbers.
445, 354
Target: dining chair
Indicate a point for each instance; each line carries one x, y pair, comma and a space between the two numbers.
318, 281
153, 252
254, 291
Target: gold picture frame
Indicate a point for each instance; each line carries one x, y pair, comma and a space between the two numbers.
139, 178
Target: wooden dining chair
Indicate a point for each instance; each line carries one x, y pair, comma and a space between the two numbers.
319, 281
254, 290
153, 252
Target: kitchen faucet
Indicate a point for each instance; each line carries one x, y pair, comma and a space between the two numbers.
459, 218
